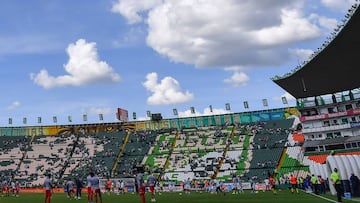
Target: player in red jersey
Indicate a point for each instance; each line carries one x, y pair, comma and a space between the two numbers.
48, 189
89, 190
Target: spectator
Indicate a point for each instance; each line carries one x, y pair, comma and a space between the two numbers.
322, 187
354, 184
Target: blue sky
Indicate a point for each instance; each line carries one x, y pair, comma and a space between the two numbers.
68, 58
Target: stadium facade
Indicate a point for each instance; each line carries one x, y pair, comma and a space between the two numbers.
327, 89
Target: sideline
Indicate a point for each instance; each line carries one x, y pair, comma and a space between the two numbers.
330, 200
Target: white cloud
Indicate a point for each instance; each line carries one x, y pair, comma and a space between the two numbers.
293, 27
215, 111
301, 54
328, 23
14, 105
83, 68
239, 78
131, 10
206, 112
341, 5
102, 110
221, 33
188, 113
168, 91
288, 97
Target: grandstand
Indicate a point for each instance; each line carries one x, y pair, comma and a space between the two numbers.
198, 152
269, 142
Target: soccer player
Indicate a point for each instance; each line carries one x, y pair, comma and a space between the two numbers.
48, 188
218, 186
187, 186
235, 182
212, 186
253, 185
79, 186
151, 181
122, 187
206, 185
89, 190
196, 185
108, 186
13, 188
117, 187
240, 184
17, 190
161, 186
70, 186
5, 188
293, 182
267, 184
95, 187
273, 185
140, 184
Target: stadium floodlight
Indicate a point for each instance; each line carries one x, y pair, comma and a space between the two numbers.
227, 106
54, 119
265, 102
134, 115
175, 112
39, 119
10, 121
84, 117
24, 120
101, 117
246, 104
148, 114
69, 119
192, 110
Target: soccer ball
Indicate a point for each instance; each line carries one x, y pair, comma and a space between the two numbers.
180, 193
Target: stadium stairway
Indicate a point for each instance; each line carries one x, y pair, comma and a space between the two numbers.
166, 164
282, 158
121, 152
24, 154
67, 163
224, 153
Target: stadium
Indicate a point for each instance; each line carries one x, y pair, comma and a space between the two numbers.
320, 133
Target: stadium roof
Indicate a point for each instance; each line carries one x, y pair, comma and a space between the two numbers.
334, 69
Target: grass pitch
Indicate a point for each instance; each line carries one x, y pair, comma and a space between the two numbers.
247, 197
